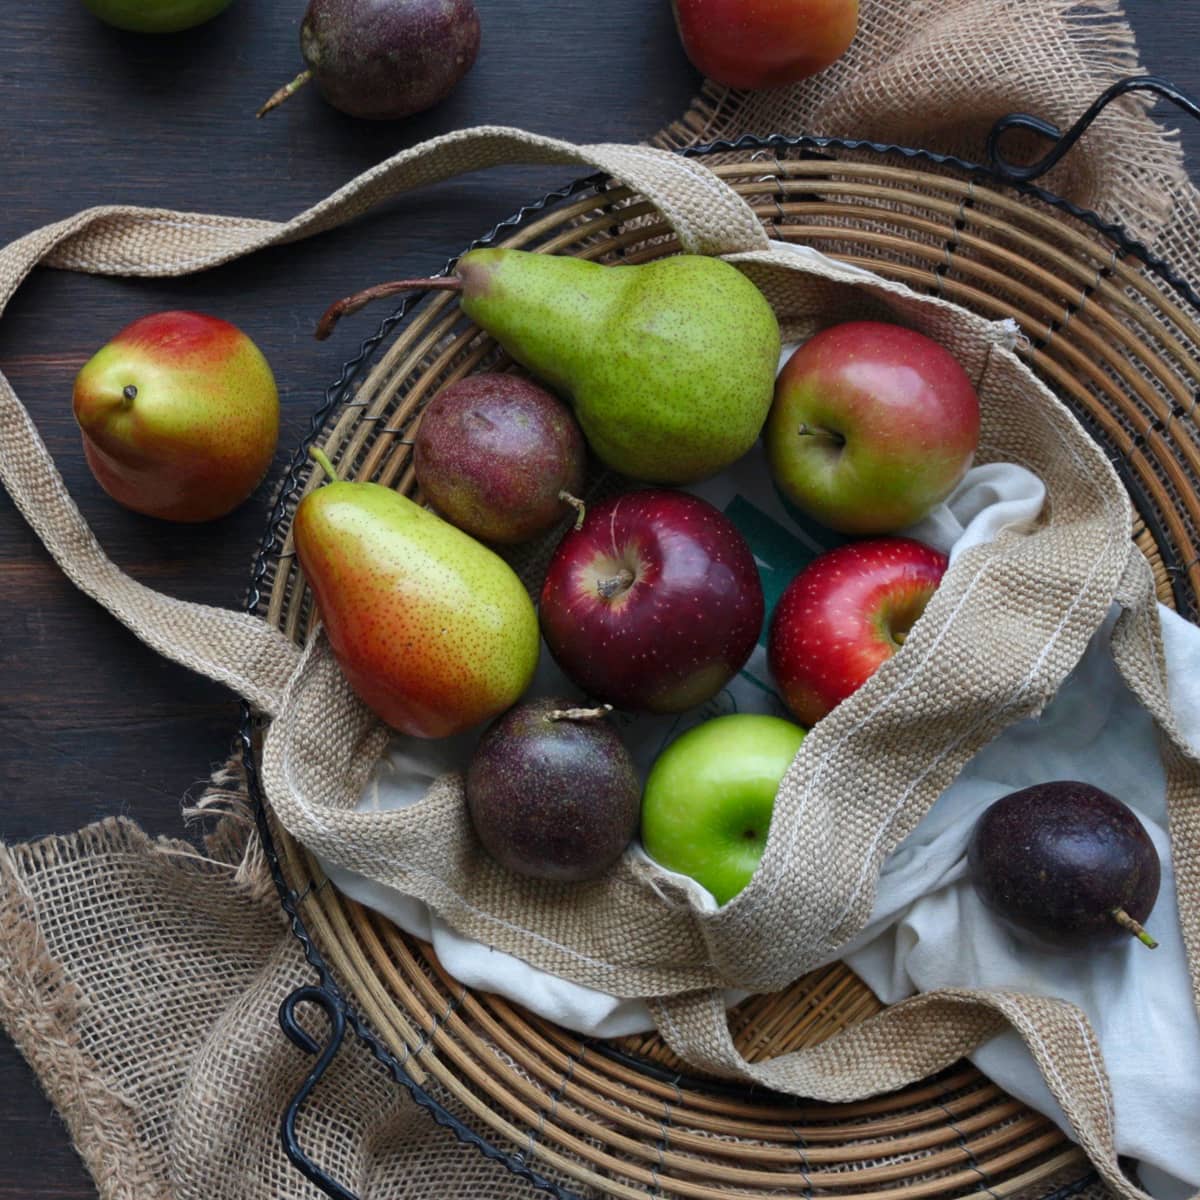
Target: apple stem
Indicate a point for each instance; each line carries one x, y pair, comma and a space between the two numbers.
128, 395
809, 431
578, 505
614, 585
579, 714
322, 460
288, 89
1123, 919
351, 304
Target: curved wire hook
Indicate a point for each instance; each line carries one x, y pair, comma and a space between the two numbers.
334, 1010
1064, 142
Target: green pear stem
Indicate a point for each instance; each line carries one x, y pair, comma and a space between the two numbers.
579, 714
288, 89
614, 585
578, 505
1125, 921
351, 304
322, 460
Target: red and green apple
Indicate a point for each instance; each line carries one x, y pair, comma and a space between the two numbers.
873, 425
844, 615
707, 806
180, 416
765, 43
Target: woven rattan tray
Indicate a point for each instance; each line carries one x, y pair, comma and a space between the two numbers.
1111, 331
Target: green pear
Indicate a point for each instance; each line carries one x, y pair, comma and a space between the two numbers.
433, 631
670, 365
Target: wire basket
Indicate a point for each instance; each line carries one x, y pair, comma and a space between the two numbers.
1112, 330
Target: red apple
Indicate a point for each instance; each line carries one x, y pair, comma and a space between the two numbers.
844, 615
654, 603
765, 43
872, 426
179, 415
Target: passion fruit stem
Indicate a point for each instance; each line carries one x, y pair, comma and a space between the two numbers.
614, 585
578, 505
351, 304
284, 92
579, 714
1125, 921
322, 460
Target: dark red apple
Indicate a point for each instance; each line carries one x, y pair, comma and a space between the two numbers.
872, 426
654, 603
844, 615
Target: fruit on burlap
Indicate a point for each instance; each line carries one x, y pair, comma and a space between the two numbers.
654, 603
495, 453
1066, 864
764, 43
384, 59
156, 16
669, 365
434, 631
179, 415
844, 615
872, 426
710, 796
552, 791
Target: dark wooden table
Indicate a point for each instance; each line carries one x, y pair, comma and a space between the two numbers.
91, 722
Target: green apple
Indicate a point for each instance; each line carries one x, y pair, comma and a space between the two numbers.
156, 16
709, 798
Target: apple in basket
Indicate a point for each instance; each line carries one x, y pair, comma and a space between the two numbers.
653, 602
844, 615
872, 426
710, 795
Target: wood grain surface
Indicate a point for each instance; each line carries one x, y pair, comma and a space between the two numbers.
91, 722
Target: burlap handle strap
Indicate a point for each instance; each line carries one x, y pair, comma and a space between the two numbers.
252, 658
919, 1037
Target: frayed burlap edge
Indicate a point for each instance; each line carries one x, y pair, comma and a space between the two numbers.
40, 1006
231, 839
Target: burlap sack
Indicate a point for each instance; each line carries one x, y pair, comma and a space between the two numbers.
198, 1117
1009, 621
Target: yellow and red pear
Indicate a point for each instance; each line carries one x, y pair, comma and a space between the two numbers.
180, 416
434, 631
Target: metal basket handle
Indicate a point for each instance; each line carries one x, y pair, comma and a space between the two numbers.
1065, 142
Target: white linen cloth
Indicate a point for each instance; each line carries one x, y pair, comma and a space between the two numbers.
928, 928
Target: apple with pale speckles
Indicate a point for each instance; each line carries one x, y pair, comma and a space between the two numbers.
654, 603
844, 615
179, 415
872, 426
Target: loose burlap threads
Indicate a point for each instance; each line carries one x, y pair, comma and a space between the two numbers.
142, 1117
